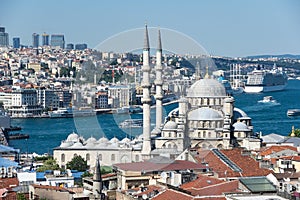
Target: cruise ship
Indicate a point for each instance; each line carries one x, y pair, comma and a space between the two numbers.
262, 80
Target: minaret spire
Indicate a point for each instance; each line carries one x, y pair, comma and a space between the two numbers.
97, 181
158, 83
146, 39
146, 100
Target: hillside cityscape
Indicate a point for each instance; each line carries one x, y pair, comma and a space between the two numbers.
204, 149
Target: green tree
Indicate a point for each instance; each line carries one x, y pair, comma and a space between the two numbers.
49, 164
77, 163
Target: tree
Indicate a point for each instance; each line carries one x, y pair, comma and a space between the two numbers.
49, 164
77, 163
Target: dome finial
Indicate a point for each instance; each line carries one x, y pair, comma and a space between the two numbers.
206, 75
293, 132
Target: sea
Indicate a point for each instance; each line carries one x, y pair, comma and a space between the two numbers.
47, 133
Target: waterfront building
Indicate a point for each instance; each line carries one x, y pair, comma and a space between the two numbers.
48, 99
81, 46
121, 95
16, 42
65, 98
24, 103
206, 118
3, 37
58, 40
35, 40
45, 39
101, 99
70, 46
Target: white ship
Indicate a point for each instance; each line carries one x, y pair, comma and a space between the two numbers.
261, 80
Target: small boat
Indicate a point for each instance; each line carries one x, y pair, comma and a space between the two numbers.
293, 112
267, 99
131, 123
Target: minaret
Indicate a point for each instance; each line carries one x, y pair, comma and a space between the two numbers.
158, 82
146, 100
97, 181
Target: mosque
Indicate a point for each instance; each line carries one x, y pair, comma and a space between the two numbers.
205, 118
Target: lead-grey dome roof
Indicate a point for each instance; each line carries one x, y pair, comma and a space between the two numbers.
206, 88
204, 114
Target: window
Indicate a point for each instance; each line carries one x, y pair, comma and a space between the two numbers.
63, 157
113, 157
136, 158
87, 157
75, 155
100, 157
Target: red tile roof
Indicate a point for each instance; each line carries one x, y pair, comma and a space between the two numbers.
8, 182
293, 158
172, 195
217, 189
61, 189
276, 148
201, 181
235, 155
150, 166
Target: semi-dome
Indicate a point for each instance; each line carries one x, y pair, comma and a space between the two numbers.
66, 144
91, 140
240, 126
170, 125
114, 140
206, 88
103, 140
73, 137
204, 114
77, 145
125, 140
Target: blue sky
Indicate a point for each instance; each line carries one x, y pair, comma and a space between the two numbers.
225, 28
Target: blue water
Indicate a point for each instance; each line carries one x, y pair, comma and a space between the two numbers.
46, 134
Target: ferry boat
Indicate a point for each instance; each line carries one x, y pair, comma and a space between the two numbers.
69, 113
261, 80
131, 123
293, 112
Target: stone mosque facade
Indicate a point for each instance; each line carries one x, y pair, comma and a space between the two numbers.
205, 118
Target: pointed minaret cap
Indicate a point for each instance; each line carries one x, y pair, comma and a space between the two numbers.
97, 173
159, 48
146, 39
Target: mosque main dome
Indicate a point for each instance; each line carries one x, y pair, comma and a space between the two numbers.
206, 88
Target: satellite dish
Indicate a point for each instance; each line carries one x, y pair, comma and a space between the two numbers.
144, 196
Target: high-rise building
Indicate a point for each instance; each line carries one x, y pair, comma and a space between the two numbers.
16, 42
45, 38
70, 46
35, 40
58, 40
3, 37
80, 46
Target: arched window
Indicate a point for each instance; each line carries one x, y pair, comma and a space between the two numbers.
169, 146
113, 157
100, 157
204, 134
136, 158
75, 155
209, 134
239, 134
63, 157
87, 157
